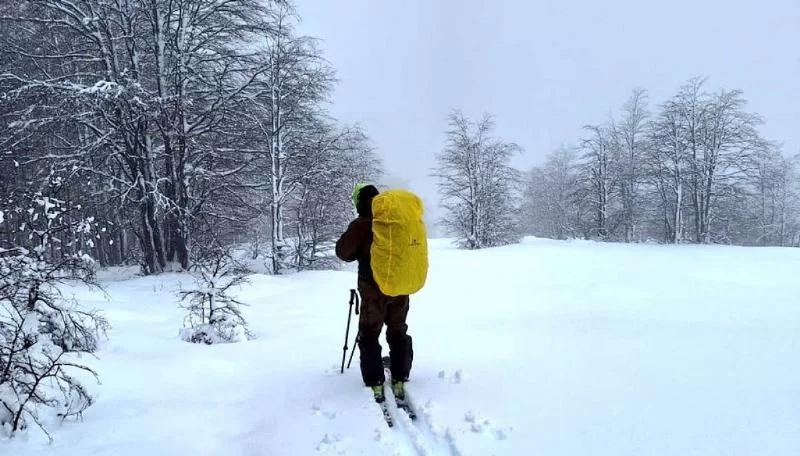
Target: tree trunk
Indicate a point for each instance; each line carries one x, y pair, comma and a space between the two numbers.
154, 261
678, 229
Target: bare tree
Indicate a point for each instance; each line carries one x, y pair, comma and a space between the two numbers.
477, 184
598, 179
320, 206
728, 138
286, 110
771, 207
667, 165
550, 205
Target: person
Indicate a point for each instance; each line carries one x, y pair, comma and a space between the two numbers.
377, 308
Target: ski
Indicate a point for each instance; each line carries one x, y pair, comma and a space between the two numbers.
386, 415
402, 404
381, 401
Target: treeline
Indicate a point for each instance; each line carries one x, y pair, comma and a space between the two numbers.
695, 169
173, 127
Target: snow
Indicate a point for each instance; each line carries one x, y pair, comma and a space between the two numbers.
553, 348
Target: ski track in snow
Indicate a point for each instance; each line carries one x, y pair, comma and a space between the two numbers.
407, 437
420, 432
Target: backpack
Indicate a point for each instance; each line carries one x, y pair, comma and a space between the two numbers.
399, 252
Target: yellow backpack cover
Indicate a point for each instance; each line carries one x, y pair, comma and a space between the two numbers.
399, 252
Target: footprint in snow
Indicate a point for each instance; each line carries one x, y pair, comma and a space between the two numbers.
388, 442
480, 424
331, 443
429, 411
458, 376
319, 411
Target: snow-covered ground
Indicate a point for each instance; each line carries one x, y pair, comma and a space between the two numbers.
550, 348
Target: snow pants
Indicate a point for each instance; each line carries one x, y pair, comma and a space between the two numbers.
378, 309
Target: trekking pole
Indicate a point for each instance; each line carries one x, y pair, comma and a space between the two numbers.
353, 300
353, 294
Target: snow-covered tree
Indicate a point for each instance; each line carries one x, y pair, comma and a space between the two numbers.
598, 179
769, 206
286, 109
134, 95
703, 144
668, 164
306, 159
727, 139
214, 315
697, 170
632, 143
321, 206
173, 123
478, 186
550, 204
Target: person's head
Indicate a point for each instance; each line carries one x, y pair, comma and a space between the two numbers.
362, 198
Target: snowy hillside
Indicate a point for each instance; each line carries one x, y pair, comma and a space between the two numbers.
543, 348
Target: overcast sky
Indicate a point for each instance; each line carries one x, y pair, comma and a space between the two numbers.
544, 68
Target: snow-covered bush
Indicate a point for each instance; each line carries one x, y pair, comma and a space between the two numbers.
214, 316
42, 332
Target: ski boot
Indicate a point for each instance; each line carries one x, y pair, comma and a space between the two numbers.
377, 393
399, 389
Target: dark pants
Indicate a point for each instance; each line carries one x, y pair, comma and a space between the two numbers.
378, 309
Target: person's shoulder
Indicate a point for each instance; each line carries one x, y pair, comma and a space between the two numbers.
360, 222
363, 220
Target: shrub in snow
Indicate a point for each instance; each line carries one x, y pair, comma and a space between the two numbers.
42, 335
214, 316
220, 329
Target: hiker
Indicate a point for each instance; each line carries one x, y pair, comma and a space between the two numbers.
376, 307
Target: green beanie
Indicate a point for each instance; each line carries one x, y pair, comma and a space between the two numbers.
356, 191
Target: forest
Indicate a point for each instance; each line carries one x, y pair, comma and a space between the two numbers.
692, 169
153, 132
156, 130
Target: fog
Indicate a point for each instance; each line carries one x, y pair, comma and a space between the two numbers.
544, 69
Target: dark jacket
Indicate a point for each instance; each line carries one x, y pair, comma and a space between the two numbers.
355, 244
